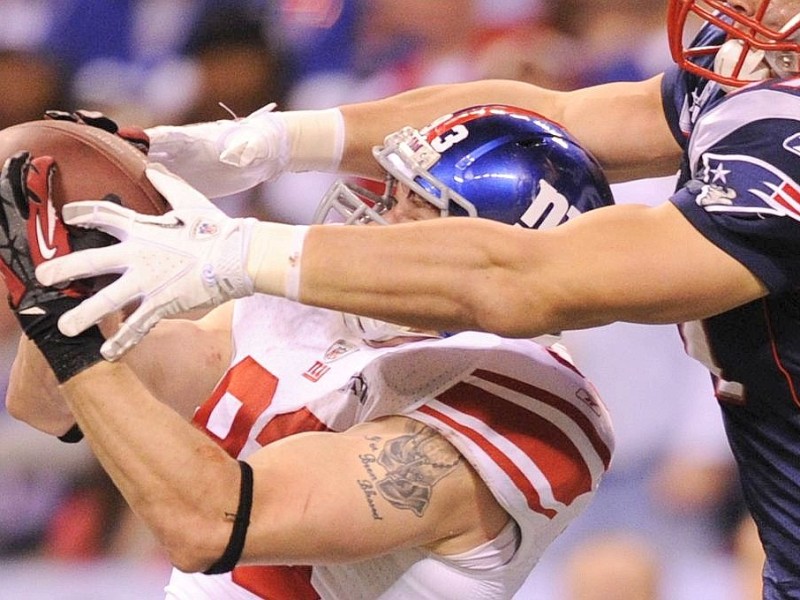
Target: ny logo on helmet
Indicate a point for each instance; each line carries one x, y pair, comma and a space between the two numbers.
548, 209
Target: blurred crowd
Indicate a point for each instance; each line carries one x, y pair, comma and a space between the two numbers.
667, 523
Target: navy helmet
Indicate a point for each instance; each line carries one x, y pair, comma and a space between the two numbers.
494, 161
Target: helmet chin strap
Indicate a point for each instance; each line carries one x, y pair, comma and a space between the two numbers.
754, 67
757, 64
784, 63
375, 330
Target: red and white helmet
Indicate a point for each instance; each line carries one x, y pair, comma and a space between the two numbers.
744, 40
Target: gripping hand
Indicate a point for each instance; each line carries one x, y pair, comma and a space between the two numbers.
191, 257
31, 234
133, 135
224, 157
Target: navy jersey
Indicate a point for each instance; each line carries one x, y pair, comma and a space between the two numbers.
740, 187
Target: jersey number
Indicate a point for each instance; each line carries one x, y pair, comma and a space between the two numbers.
244, 394
447, 140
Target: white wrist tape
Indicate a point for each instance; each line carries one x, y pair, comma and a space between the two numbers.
316, 139
273, 258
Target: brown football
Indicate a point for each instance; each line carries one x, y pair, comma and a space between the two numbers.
90, 163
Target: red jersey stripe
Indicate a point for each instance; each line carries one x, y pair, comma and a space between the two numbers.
281, 426
276, 582
553, 452
569, 409
504, 462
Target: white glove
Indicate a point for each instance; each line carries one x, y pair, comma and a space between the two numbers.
191, 257
224, 157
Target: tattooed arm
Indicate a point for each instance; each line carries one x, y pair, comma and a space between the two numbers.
317, 497
393, 483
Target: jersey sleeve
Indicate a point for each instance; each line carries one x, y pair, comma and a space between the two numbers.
532, 427
684, 94
743, 194
538, 454
673, 93
535, 432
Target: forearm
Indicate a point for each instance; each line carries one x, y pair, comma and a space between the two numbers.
33, 395
446, 275
632, 115
442, 274
368, 123
160, 362
174, 477
458, 273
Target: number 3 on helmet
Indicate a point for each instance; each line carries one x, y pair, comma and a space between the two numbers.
496, 162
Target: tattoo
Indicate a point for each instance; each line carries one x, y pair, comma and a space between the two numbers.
369, 493
413, 463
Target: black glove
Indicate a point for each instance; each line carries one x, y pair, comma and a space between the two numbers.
135, 136
31, 233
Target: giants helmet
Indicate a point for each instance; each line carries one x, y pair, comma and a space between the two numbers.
735, 48
496, 162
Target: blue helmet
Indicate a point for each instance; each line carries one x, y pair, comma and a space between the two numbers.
496, 162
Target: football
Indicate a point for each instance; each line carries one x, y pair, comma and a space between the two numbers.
91, 163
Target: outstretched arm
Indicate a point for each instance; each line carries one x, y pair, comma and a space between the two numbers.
620, 263
632, 118
224, 157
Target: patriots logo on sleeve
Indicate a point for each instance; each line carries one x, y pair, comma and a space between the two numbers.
737, 183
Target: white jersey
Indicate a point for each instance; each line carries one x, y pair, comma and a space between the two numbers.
531, 426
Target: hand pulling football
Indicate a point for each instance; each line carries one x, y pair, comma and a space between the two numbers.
91, 163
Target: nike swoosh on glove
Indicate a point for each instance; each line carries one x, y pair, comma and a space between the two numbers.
31, 234
193, 256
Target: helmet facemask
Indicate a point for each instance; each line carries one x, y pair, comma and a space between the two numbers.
408, 157
348, 203
755, 49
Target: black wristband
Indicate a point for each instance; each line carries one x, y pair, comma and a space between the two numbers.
73, 436
241, 522
67, 356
